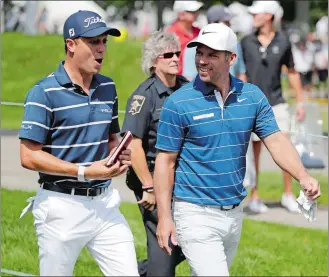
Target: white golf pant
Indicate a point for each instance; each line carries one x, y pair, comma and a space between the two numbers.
208, 236
66, 223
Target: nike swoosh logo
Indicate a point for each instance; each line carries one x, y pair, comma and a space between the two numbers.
203, 33
240, 100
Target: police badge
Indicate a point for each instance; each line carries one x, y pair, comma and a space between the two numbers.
136, 104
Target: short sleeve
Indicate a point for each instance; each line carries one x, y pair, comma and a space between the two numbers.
265, 124
288, 59
170, 130
189, 68
238, 67
242, 47
137, 118
115, 127
37, 118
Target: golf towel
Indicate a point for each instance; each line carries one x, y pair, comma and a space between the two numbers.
307, 206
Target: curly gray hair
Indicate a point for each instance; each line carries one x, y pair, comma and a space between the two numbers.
154, 46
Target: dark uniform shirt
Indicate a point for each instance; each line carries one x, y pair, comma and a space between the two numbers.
263, 65
143, 114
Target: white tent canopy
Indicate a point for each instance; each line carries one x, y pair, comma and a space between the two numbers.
58, 11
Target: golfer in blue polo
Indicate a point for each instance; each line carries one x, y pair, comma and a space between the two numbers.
202, 138
69, 128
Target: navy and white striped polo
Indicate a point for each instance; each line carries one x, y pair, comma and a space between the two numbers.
212, 138
71, 125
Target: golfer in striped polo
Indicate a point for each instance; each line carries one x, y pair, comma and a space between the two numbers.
68, 130
202, 138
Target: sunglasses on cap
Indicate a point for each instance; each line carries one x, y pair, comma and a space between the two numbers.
169, 55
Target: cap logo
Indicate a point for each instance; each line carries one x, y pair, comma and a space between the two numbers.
92, 20
71, 32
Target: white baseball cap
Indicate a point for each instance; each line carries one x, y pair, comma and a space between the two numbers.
217, 36
272, 7
187, 6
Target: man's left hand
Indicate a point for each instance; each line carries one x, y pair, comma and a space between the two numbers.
125, 157
300, 113
311, 187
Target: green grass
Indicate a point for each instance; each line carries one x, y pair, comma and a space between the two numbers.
26, 59
265, 249
11, 117
271, 186
40, 55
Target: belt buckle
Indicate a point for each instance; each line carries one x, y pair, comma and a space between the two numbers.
88, 191
227, 208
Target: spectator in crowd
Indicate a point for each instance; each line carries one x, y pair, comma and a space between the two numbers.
309, 42
265, 52
321, 28
304, 61
160, 60
215, 14
321, 61
187, 14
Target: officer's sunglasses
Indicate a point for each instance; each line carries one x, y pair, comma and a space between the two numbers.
169, 55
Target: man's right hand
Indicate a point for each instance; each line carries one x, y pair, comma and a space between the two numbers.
100, 171
166, 230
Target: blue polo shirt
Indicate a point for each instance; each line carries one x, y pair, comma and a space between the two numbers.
71, 125
212, 138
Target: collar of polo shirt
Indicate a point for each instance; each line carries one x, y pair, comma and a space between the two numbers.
63, 78
208, 88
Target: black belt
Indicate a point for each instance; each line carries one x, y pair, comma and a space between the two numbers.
228, 208
73, 191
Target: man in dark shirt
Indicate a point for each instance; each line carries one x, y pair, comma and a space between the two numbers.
264, 53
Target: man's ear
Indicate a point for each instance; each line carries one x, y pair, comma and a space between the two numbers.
233, 59
71, 45
269, 17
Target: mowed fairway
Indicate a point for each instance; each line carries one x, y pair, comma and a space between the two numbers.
265, 249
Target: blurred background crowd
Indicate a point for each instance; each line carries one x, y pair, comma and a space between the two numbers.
306, 23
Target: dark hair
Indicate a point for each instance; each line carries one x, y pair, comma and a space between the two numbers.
65, 48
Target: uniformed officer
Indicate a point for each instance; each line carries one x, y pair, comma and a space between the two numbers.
160, 60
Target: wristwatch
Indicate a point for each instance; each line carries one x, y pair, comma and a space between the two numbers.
81, 173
